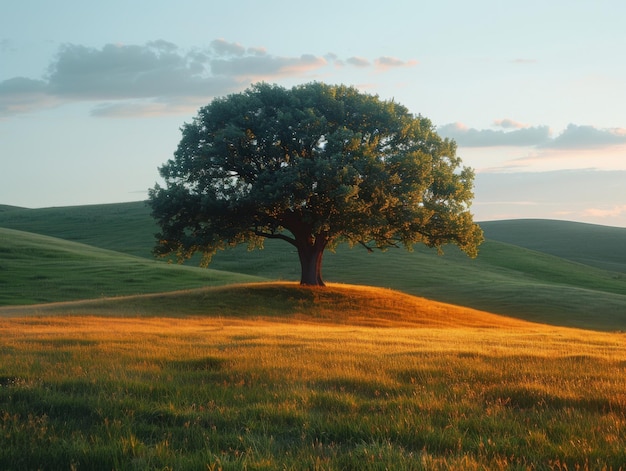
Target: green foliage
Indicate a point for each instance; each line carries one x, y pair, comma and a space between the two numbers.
315, 166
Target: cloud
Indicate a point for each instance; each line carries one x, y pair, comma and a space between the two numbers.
224, 48
587, 137
262, 67
385, 63
21, 95
159, 77
516, 134
469, 137
143, 108
126, 72
358, 61
610, 212
509, 124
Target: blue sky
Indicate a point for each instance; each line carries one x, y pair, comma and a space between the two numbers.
92, 94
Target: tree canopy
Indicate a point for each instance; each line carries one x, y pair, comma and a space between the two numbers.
314, 165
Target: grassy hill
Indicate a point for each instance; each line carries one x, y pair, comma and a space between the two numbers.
285, 302
240, 375
41, 269
280, 377
505, 278
123, 227
590, 244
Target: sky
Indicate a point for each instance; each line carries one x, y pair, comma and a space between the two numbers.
93, 94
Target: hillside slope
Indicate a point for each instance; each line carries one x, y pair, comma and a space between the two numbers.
129, 228
123, 227
505, 279
39, 269
599, 246
285, 302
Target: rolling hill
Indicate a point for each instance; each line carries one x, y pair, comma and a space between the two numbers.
42, 269
506, 278
590, 244
286, 302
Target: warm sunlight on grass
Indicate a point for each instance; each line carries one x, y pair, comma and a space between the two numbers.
336, 303
310, 392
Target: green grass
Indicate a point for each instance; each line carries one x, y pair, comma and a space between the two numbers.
273, 376
269, 390
41, 269
122, 227
6, 207
506, 279
599, 246
287, 302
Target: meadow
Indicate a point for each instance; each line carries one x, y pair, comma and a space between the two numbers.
345, 378
112, 360
550, 285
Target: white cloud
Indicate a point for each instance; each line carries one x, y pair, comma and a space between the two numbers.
251, 68
21, 95
609, 212
385, 63
123, 72
358, 61
509, 124
225, 48
587, 137
469, 137
143, 108
159, 77
516, 134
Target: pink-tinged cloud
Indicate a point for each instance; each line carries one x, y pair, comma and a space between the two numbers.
588, 137
519, 137
507, 123
224, 48
612, 212
385, 63
160, 78
143, 109
252, 68
578, 139
358, 62
22, 95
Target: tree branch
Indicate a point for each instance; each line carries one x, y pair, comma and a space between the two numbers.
271, 235
367, 247
371, 249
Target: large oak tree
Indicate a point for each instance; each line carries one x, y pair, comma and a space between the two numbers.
314, 166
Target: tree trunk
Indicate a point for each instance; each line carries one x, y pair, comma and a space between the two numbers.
311, 263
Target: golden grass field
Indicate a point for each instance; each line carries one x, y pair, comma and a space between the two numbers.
345, 378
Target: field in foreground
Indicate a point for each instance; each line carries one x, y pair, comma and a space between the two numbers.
438, 387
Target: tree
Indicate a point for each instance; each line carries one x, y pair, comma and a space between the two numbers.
314, 166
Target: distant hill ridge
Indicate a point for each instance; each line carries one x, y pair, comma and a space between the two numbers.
574, 288
595, 245
5, 207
